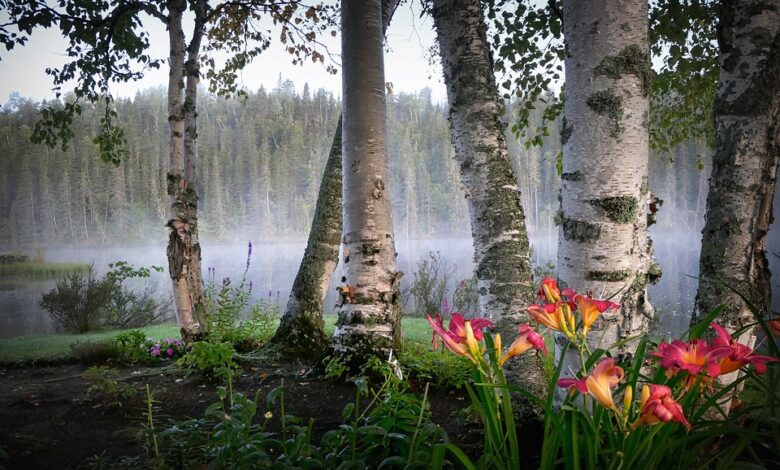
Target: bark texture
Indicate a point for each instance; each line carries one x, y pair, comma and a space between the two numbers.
183, 248
301, 330
744, 169
501, 249
603, 244
369, 321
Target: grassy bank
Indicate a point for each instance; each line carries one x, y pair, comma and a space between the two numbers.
39, 270
57, 347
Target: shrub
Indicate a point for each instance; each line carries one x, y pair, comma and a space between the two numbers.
83, 302
429, 287
465, 299
78, 302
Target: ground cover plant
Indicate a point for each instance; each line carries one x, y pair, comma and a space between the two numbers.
664, 407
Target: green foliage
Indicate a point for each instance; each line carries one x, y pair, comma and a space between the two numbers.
103, 384
429, 287
212, 360
226, 303
134, 346
78, 302
445, 371
83, 302
335, 367
130, 345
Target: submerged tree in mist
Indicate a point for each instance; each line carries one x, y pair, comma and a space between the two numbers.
369, 318
301, 329
603, 244
744, 170
501, 249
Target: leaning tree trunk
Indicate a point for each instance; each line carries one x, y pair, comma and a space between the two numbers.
603, 243
501, 250
744, 168
301, 331
369, 320
183, 248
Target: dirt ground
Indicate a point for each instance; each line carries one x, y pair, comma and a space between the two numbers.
48, 421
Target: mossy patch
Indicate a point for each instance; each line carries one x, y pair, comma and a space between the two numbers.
654, 273
608, 276
607, 103
620, 209
580, 231
566, 130
633, 60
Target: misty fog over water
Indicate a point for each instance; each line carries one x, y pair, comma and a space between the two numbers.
274, 265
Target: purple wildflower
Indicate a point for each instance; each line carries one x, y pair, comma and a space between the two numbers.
169, 351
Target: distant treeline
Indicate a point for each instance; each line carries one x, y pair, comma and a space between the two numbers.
260, 166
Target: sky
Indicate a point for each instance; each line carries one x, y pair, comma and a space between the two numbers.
407, 62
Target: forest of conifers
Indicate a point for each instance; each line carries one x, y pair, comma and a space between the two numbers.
260, 167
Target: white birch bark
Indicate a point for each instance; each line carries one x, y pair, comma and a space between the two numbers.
370, 323
744, 168
603, 244
501, 249
182, 197
301, 330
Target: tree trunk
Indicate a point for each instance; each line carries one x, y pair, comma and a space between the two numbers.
183, 249
501, 250
301, 331
369, 320
744, 168
603, 246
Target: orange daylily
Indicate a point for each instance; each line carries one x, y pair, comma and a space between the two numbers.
657, 405
556, 316
526, 339
590, 309
604, 378
599, 384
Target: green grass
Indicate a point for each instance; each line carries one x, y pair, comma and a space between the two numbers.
39, 270
57, 347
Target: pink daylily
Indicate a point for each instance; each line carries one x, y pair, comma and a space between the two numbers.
454, 339
657, 405
740, 356
605, 377
573, 384
693, 357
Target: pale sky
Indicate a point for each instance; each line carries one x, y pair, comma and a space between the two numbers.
407, 65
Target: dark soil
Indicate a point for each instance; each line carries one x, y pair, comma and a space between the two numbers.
48, 421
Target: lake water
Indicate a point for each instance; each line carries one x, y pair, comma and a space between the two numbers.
273, 267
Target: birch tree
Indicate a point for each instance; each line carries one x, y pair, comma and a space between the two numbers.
603, 244
369, 320
301, 329
501, 249
744, 168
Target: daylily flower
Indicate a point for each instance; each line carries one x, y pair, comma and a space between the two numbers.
693, 357
604, 378
548, 291
590, 309
741, 355
774, 326
526, 338
657, 405
556, 316
455, 338
573, 384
